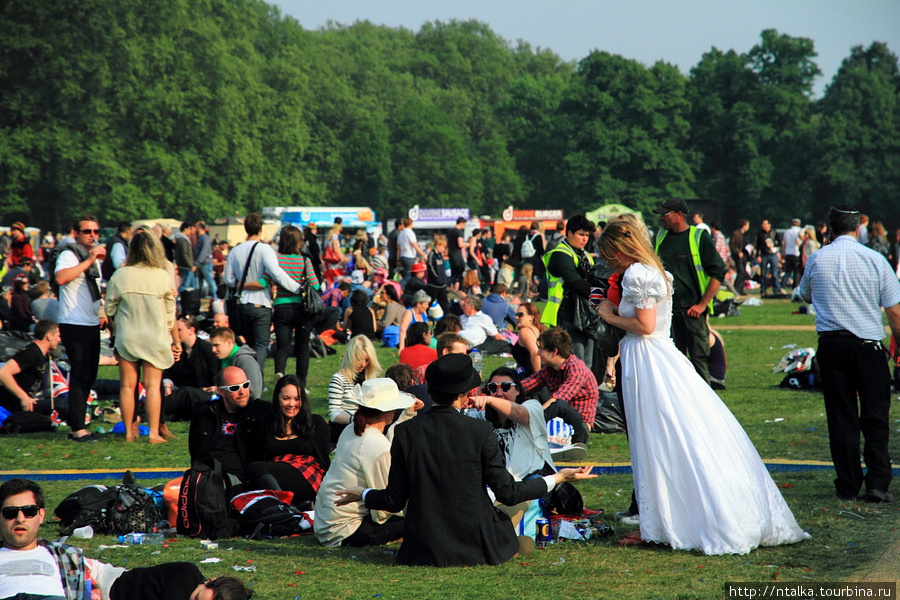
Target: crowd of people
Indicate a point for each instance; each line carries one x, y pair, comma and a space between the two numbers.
396, 454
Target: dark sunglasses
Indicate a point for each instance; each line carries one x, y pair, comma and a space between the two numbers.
493, 387
11, 512
520, 315
90, 231
235, 387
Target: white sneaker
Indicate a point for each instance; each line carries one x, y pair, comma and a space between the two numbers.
573, 453
629, 519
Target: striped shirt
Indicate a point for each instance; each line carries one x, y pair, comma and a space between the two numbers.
849, 284
297, 267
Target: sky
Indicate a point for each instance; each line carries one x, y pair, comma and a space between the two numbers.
644, 30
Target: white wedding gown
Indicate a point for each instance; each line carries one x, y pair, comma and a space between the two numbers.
700, 482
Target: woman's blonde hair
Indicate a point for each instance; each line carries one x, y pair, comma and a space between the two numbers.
624, 237
527, 269
357, 348
145, 250
636, 222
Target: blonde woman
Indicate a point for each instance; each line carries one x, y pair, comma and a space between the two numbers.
526, 284
360, 362
700, 482
140, 299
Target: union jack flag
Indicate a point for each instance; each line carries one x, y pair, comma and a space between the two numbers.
59, 381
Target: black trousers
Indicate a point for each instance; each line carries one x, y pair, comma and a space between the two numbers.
371, 533
290, 321
691, 337
82, 344
852, 368
289, 479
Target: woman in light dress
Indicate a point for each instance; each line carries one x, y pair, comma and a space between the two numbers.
140, 299
700, 482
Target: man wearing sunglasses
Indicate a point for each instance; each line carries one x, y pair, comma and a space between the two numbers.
77, 272
215, 426
36, 568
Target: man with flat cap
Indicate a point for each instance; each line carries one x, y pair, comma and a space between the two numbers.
440, 463
689, 254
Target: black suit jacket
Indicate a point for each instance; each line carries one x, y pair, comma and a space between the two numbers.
441, 463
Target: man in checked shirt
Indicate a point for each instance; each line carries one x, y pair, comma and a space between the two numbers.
849, 285
569, 380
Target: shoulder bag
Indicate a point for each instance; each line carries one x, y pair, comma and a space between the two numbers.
233, 307
312, 300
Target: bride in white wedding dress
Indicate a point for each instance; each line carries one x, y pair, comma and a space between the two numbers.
700, 482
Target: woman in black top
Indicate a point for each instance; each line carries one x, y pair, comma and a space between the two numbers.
290, 450
311, 249
359, 319
20, 316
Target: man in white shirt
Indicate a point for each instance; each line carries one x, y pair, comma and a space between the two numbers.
790, 252
256, 320
77, 273
479, 329
27, 566
408, 249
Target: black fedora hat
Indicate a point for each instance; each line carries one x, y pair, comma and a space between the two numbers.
452, 374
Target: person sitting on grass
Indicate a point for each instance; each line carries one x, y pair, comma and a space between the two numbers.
360, 362
288, 449
441, 461
230, 354
362, 457
215, 425
417, 352
22, 374
33, 568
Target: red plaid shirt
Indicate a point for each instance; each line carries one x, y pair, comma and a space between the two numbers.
311, 470
573, 382
332, 297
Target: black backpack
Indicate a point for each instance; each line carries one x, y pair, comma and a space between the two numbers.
51, 260
112, 510
203, 502
26, 422
261, 515
106, 267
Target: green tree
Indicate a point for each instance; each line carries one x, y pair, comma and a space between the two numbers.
627, 132
858, 160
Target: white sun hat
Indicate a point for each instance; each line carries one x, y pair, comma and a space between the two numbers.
381, 394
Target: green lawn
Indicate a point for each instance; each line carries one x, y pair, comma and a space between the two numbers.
846, 537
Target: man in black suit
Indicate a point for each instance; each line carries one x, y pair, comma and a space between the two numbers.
440, 462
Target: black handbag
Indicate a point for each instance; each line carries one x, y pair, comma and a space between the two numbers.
606, 336
312, 300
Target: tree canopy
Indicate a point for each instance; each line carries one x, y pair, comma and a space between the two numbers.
206, 108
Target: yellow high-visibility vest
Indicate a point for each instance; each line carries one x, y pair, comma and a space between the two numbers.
555, 289
694, 244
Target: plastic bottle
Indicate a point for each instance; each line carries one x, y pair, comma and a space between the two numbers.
477, 360
142, 539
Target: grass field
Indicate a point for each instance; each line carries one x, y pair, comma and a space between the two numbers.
846, 537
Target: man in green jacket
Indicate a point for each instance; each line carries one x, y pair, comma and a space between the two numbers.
689, 254
568, 265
